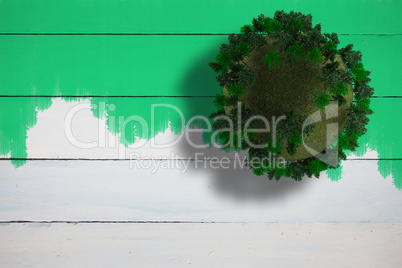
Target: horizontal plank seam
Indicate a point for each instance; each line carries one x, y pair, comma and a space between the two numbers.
159, 159
114, 96
136, 222
99, 96
15, 33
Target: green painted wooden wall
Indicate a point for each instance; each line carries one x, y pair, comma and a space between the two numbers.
128, 49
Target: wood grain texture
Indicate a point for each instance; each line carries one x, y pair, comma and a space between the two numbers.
149, 65
54, 48
202, 245
190, 191
210, 16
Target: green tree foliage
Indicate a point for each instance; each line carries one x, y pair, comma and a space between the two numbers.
238, 74
271, 26
291, 129
341, 99
321, 100
329, 78
357, 120
272, 58
219, 101
284, 40
359, 72
314, 167
307, 22
347, 140
257, 23
255, 39
294, 54
313, 38
332, 38
247, 77
225, 138
243, 48
345, 76
329, 46
246, 29
227, 78
216, 67
364, 104
329, 50
273, 148
363, 91
234, 39
236, 89
339, 92
332, 67
343, 52
349, 56
289, 125
293, 140
314, 56
223, 59
231, 48
282, 172
313, 47
231, 100
340, 89
297, 170
223, 79
295, 26
282, 17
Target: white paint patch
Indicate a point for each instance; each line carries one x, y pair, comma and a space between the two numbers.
191, 244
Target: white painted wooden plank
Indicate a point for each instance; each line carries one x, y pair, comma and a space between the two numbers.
111, 190
202, 245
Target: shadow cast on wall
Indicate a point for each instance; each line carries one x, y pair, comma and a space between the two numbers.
238, 183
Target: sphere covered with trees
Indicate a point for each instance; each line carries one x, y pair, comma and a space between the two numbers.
284, 76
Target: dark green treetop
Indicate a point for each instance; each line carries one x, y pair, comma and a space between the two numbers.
292, 128
332, 38
340, 89
314, 55
271, 26
363, 91
295, 26
297, 170
284, 40
345, 51
272, 58
332, 67
359, 72
236, 89
294, 53
314, 167
350, 57
219, 101
258, 25
223, 59
340, 98
243, 48
364, 104
313, 38
322, 100
357, 120
329, 50
246, 29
